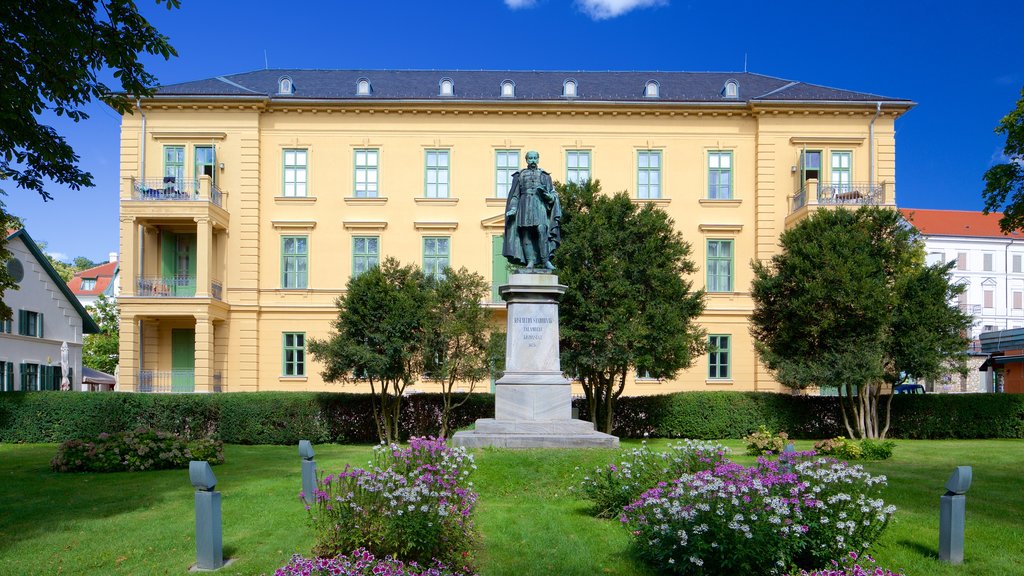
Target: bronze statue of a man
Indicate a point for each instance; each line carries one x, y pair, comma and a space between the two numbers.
532, 217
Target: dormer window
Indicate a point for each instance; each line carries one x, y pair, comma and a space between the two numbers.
508, 89
569, 89
731, 89
363, 87
447, 87
285, 86
88, 283
651, 90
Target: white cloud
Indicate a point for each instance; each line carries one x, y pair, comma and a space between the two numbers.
605, 9
59, 256
517, 4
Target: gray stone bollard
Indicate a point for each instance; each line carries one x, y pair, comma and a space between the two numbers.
953, 516
209, 546
308, 471
787, 456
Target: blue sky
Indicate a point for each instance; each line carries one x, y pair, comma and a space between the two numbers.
961, 62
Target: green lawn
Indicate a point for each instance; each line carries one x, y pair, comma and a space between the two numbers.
142, 523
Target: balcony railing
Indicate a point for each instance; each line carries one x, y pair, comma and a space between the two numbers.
181, 381
166, 286
845, 194
171, 188
167, 381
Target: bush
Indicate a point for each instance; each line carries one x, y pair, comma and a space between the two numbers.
846, 449
761, 519
135, 451
361, 563
764, 443
414, 503
613, 486
852, 568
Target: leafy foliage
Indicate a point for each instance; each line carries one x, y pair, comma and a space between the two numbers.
135, 451
849, 303
379, 336
1004, 183
100, 351
457, 338
628, 305
53, 52
763, 442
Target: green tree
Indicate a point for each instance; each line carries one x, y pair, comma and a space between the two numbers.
100, 351
379, 336
1004, 183
53, 52
7, 222
849, 303
457, 338
628, 306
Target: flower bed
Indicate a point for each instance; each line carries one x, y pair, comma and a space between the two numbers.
361, 563
414, 503
613, 486
764, 519
135, 451
853, 568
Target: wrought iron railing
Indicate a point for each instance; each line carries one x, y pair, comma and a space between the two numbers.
167, 381
166, 286
172, 188
845, 194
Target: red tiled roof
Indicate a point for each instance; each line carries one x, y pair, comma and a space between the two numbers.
104, 274
957, 223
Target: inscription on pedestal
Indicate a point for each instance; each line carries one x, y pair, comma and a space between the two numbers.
532, 344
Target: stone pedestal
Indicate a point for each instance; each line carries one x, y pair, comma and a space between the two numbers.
532, 401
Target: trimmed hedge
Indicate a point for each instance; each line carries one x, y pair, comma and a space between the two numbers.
238, 418
716, 415
287, 417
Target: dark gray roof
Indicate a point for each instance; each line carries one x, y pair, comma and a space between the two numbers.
485, 85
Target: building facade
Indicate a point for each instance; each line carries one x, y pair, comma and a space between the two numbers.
990, 264
102, 280
249, 201
46, 315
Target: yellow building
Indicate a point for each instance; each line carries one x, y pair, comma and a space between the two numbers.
248, 201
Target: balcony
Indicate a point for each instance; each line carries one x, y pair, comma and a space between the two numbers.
171, 189
852, 194
173, 287
173, 381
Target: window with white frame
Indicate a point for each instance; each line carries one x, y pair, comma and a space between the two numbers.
437, 174
285, 85
508, 89
651, 89
30, 323
295, 172
986, 262
366, 166
88, 284
447, 87
363, 87
719, 175
648, 174
731, 89
1016, 263
934, 258
569, 88
506, 164
577, 166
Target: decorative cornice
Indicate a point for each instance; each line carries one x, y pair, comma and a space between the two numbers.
379, 225
833, 140
294, 224
377, 201
436, 226
437, 201
185, 135
721, 228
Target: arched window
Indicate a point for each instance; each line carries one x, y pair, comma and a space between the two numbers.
285, 86
363, 87
651, 90
508, 89
731, 89
447, 87
569, 88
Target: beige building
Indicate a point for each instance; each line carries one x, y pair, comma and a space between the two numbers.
248, 201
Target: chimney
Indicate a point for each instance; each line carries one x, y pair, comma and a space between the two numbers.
112, 257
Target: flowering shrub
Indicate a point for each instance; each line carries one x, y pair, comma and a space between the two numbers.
414, 503
142, 449
846, 449
853, 568
762, 519
613, 486
762, 442
362, 563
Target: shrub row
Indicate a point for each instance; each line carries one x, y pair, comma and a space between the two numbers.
287, 417
135, 451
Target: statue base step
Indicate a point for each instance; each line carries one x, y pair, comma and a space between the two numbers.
562, 433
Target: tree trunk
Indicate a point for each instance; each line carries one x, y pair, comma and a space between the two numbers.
888, 412
843, 399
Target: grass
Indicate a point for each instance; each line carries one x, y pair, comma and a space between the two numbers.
142, 523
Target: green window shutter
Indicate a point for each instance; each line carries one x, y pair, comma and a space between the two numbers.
499, 266
71, 376
39, 325
24, 380
168, 254
23, 322
9, 378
